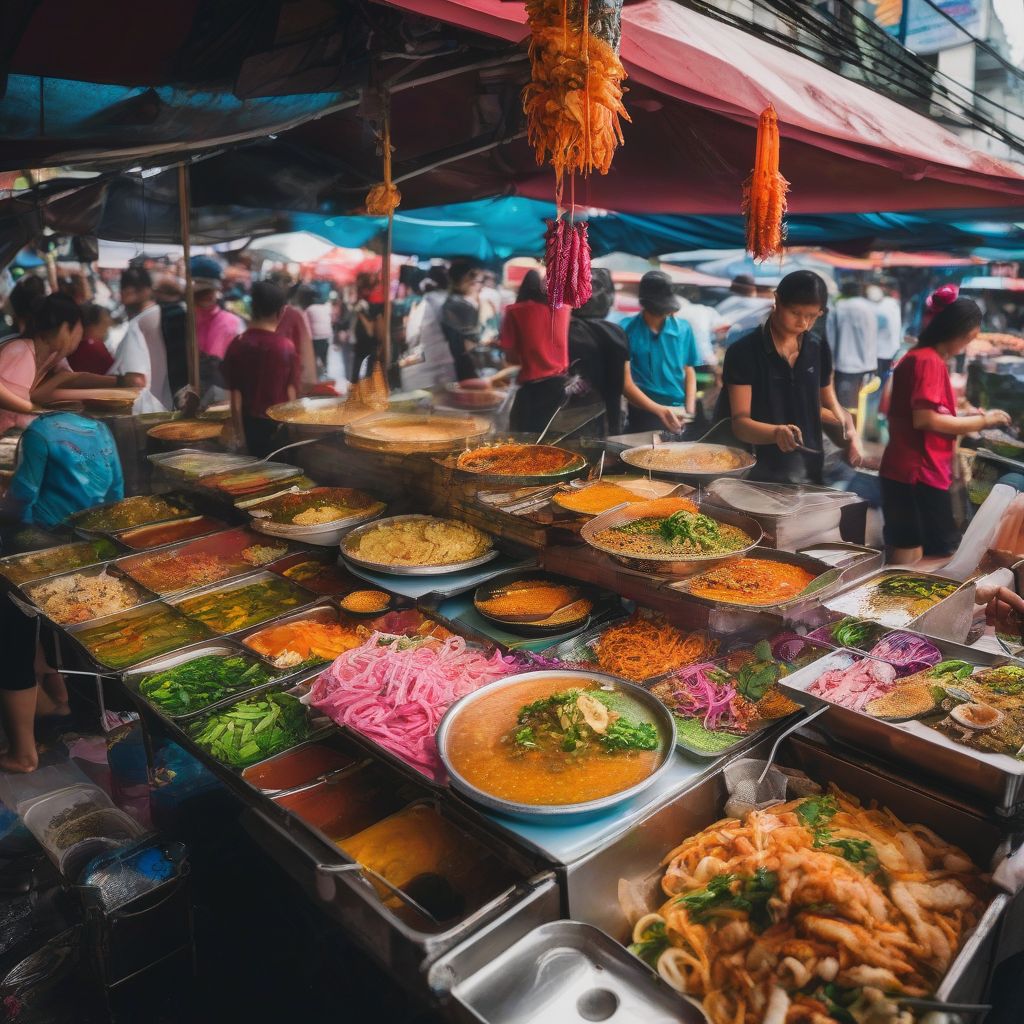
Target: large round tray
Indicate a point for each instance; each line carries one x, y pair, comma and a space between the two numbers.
285, 412
533, 629
371, 433
408, 570
558, 813
633, 456
668, 564
577, 466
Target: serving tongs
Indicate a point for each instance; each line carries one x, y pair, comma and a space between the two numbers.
332, 776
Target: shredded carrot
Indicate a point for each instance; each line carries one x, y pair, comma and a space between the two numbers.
643, 647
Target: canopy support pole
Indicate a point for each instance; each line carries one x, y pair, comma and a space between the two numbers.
185, 221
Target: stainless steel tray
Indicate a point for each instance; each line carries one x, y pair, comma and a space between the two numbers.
131, 678
145, 596
324, 610
235, 584
997, 778
8, 562
949, 618
336, 883
636, 855
184, 501
560, 973
818, 589
669, 564
164, 462
216, 525
633, 457
408, 570
122, 617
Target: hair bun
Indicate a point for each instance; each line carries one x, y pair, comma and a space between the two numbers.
942, 297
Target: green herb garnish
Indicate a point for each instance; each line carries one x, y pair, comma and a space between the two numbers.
816, 813
652, 945
734, 892
918, 587
691, 527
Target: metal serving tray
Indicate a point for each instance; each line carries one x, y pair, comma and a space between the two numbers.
229, 462
631, 456
669, 564
324, 610
25, 590
818, 589
232, 541
560, 973
132, 677
126, 616
173, 497
997, 778
8, 563
235, 584
577, 467
636, 856
408, 570
334, 881
125, 537
949, 618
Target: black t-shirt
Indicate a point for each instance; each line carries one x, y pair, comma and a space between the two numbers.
780, 394
598, 352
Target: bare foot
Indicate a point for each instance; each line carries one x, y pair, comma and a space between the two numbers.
19, 765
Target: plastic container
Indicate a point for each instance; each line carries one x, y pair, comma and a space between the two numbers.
19, 792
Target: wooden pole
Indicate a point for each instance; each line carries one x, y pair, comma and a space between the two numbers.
185, 221
386, 281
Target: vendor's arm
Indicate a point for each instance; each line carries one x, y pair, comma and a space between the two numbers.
945, 423
639, 400
785, 435
10, 402
839, 425
691, 390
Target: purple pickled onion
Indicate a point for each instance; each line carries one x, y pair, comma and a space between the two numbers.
696, 694
906, 653
789, 646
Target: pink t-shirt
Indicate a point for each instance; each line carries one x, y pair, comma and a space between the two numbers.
17, 374
216, 328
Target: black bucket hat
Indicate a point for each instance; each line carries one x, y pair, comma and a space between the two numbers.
656, 294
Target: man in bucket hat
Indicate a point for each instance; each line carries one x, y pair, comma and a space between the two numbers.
660, 379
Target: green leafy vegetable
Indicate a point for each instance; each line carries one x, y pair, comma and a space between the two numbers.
754, 678
816, 813
252, 730
622, 735
652, 945
195, 684
917, 587
954, 668
699, 530
856, 633
734, 892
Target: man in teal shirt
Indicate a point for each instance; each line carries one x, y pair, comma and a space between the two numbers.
660, 378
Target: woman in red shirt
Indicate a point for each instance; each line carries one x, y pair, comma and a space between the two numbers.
536, 339
92, 355
917, 467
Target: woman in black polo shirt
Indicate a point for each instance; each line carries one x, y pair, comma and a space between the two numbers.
777, 388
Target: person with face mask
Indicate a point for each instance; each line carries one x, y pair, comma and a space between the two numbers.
777, 388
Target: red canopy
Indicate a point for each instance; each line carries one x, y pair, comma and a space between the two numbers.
696, 89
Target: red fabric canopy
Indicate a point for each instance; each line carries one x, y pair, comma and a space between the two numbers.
697, 88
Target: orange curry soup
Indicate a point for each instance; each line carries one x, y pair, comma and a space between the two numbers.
481, 749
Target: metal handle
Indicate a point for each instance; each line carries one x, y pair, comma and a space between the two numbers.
782, 735
299, 444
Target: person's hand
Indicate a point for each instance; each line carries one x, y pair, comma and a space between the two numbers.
669, 420
854, 452
997, 418
1005, 612
788, 437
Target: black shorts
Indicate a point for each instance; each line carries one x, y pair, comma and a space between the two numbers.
19, 633
917, 515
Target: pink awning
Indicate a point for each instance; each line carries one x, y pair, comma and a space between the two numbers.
697, 87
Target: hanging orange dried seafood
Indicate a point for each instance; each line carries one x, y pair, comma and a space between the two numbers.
764, 192
574, 100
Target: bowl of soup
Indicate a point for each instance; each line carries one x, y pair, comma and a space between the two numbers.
555, 745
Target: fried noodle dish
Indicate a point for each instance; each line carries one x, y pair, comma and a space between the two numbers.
517, 460
809, 912
641, 648
421, 542
697, 458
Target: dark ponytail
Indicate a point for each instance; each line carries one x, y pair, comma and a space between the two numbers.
954, 321
25, 295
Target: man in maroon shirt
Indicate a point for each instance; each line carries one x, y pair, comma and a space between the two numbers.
261, 368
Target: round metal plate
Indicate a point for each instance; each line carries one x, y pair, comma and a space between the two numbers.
634, 457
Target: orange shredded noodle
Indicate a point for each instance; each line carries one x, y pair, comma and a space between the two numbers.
764, 192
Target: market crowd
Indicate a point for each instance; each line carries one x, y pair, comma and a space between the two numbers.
790, 370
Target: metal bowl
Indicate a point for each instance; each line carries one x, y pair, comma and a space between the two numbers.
574, 468
557, 814
634, 457
407, 570
533, 629
288, 412
325, 534
668, 564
